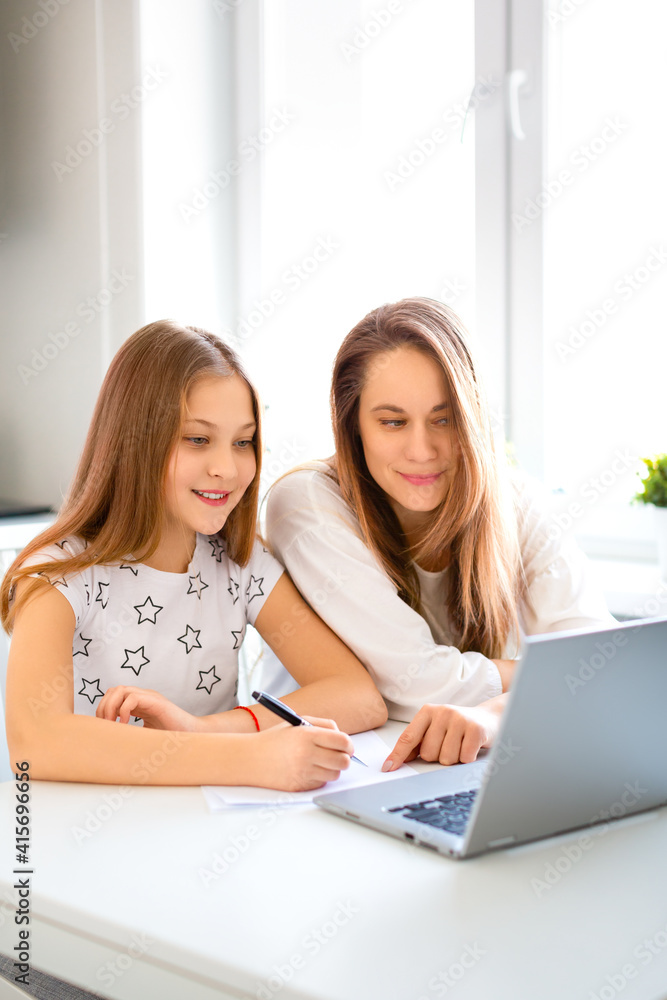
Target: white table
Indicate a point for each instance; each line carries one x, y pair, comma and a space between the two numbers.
312, 906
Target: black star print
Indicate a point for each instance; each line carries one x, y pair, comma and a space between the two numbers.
132, 569
61, 545
218, 549
212, 679
190, 638
83, 643
148, 611
196, 585
89, 686
238, 637
87, 595
132, 658
102, 594
59, 581
254, 588
233, 590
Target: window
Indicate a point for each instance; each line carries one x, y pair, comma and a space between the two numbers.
603, 217
368, 190
505, 158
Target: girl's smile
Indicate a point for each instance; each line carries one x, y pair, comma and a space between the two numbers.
213, 498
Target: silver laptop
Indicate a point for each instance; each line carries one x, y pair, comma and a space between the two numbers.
583, 741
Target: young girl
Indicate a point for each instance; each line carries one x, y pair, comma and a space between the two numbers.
134, 603
445, 563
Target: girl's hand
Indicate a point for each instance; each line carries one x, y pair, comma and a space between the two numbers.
446, 733
300, 758
156, 710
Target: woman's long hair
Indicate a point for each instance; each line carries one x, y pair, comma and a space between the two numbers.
476, 520
116, 502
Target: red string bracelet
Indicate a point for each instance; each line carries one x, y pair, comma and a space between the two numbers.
244, 708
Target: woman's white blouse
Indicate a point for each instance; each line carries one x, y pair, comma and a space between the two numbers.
413, 659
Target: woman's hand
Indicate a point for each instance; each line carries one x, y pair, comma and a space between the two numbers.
300, 758
447, 733
156, 710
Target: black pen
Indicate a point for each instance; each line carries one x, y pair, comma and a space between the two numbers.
286, 713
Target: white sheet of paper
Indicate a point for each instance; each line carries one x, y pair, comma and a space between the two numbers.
368, 746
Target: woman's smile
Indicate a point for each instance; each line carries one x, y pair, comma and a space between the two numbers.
422, 479
406, 428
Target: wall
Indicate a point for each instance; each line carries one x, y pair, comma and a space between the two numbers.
112, 112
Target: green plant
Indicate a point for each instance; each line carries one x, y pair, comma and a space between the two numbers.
655, 483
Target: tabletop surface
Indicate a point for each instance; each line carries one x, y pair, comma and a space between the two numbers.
294, 902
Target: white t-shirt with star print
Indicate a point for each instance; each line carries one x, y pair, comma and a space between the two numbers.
176, 633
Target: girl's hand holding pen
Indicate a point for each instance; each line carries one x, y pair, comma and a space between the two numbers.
300, 758
284, 711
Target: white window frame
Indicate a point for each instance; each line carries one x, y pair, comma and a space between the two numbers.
511, 127
510, 159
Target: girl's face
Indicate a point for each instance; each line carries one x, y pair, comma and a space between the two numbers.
213, 462
405, 423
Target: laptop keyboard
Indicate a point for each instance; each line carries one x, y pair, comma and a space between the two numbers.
448, 812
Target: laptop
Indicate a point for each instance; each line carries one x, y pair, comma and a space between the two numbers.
583, 741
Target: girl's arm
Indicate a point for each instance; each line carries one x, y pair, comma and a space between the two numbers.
59, 745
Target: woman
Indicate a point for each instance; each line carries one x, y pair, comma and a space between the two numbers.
413, 544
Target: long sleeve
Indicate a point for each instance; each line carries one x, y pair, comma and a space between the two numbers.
316, 537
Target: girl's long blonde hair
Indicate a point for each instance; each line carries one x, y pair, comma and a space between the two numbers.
476, 521
116, 502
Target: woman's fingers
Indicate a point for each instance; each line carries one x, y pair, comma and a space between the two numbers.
450, 748
441, 733
445, 727
473, 740
407, 743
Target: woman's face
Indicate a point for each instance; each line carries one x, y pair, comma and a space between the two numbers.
405, 423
